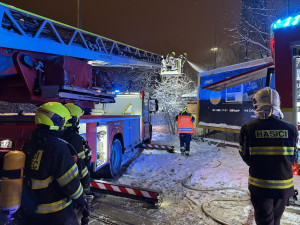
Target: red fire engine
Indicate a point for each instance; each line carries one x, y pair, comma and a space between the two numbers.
43, 60
285, 47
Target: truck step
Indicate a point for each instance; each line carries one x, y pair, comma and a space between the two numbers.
169, 148
142, 194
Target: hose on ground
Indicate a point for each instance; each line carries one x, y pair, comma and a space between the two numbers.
184, 184
184, 181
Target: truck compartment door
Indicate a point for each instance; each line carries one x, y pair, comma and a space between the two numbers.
131, 132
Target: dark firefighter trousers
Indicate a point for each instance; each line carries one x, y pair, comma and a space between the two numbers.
185, 140
268, 211
62, 217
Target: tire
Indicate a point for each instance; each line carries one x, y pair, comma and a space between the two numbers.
113, 168
115, 157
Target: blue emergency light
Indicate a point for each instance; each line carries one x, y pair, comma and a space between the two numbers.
290, 21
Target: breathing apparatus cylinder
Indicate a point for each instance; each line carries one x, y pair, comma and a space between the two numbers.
12, 181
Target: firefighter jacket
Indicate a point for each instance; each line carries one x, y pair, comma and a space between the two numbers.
185, 123
52, 171
268, 146
72, 136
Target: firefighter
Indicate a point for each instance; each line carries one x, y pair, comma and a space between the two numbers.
185, 128
183, 58
268, 147
51, 175
72, 136
170, 58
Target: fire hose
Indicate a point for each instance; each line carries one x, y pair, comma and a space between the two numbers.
183, 183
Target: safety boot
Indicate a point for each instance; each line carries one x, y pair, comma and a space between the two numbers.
182, 150
187, 153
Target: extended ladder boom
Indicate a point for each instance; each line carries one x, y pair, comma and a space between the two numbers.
23, 30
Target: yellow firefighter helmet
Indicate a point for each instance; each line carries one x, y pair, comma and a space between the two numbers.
52, 114
75, 112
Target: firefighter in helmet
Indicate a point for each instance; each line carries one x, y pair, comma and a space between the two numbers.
170, 57
185, 128
183, 58
268, 147
51, 180
72, 136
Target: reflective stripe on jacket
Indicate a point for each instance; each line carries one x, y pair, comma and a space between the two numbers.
185, 124
271, 150
53, 207
274, 184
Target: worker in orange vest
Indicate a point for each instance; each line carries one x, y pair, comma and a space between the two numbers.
185, 128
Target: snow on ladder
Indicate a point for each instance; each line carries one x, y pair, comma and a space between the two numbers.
143, 194
169, 148
27, 31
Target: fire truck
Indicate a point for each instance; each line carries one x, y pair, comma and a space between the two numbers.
42, 61
285, 48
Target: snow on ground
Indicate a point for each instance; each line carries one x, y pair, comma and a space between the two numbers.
209, 167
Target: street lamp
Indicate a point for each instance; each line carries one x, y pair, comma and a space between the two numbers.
214, 50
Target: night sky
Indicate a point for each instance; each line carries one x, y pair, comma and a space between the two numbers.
159, 26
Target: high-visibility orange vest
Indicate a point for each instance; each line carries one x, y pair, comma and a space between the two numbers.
185, 124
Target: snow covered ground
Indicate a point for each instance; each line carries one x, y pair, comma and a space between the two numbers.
210, 166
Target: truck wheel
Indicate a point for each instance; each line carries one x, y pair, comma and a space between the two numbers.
115, 157
113, 168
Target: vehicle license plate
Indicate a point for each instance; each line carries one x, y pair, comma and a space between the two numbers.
5, 144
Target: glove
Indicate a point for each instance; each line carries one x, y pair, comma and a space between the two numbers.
80, 203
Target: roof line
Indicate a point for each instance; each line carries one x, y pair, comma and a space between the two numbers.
207, 87
249, 64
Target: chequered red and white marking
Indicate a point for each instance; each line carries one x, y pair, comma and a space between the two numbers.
131, 191
157, 146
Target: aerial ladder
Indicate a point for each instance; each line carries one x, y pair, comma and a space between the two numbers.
31, 40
